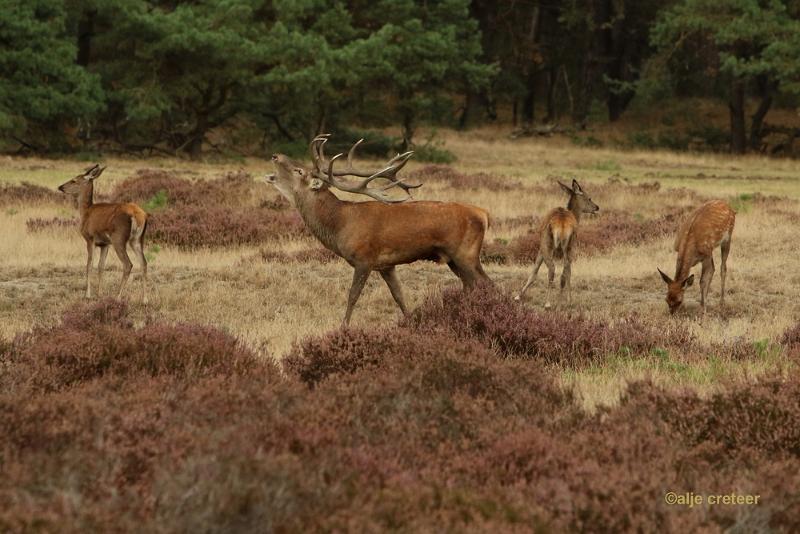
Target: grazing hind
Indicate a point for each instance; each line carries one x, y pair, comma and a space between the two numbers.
558, 233
104, 224
709, 226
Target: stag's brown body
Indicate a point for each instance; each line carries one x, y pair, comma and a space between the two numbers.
377, 236
709, 226
557, 238
108, 224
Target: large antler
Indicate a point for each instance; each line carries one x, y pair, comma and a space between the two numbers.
323, 169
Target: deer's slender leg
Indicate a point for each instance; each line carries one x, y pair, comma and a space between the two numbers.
390, 277
139, 250
532, 278
551, 275
89, 255
122, 254
100, 266
705, 280
566, 275
723, 270
360, 276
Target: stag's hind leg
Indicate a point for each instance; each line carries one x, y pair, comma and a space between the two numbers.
725, 247
390, 277
566, 273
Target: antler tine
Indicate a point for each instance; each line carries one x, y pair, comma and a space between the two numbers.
353, 151
332, 181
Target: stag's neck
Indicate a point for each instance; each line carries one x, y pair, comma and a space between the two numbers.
86, 199
320, 211
572, 206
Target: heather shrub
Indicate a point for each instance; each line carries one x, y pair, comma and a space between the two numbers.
597, 235
494, 319
791, 340
38, 224
27, 193
209, 213
457, 180
317, 254
99, 339
217, 226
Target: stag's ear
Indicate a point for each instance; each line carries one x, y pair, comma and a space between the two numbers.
664, 277
688, 281
316, 184
566, 188
576, 187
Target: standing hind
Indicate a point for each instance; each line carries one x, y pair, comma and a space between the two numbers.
558, 233
108, 224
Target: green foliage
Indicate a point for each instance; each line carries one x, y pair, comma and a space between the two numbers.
42, 91
742, 202
157, 202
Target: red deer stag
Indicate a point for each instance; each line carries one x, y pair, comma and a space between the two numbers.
377, 236
709, 226
557, 239
105, 224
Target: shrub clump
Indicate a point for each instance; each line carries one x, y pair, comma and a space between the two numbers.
100, 339
28, 193
208, 213
447, 175
38, 224
791, 340
495, 320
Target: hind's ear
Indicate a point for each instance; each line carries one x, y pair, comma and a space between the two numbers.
664, 277
566, 188
576, 187
688, 281
94, 172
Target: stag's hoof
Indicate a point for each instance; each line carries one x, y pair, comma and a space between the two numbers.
517, 298
547, 305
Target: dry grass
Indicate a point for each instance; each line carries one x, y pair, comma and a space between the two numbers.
276, 302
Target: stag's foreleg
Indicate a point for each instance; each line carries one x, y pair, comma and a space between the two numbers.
390, 277
360, 276
566, 273
551, 276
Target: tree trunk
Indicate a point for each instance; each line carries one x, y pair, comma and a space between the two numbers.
85, 34
736, 107
757, 124
408, 130
552, 84
529, 103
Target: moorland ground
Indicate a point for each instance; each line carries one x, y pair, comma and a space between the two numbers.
279, 287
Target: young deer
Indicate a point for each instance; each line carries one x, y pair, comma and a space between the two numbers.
709, 226
378, 236
105, 224
557, 239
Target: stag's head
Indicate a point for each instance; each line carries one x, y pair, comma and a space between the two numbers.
675, 290
292, 178
83, 182
578, 199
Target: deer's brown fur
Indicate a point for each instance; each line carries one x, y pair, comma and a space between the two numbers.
108, 224
558, 235
709, 226
376, 236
